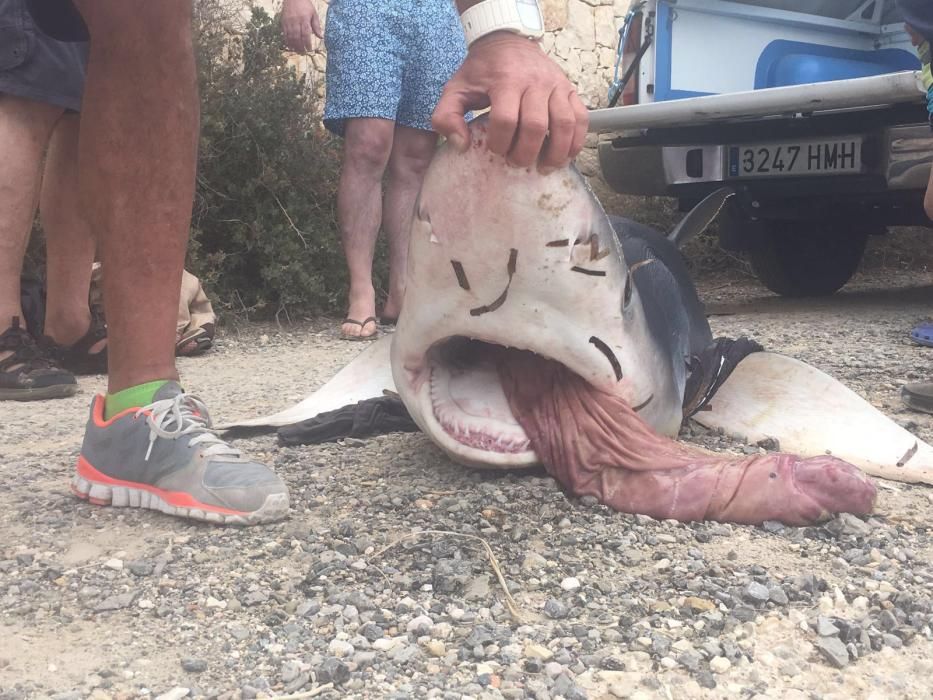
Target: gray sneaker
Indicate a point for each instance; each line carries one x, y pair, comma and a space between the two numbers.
165, 457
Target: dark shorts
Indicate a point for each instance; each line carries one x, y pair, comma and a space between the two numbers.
35, 66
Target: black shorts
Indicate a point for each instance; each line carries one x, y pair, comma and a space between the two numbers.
35, 66
59, 19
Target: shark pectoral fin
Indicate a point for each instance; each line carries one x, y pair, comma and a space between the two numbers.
810, 413
368, 376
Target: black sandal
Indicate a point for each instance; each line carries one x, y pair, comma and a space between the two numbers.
78, 357
29, 374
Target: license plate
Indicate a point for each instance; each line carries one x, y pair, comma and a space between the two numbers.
829, 157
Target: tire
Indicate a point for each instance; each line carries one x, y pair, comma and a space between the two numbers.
806, 259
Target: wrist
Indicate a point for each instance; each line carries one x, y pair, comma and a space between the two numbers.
506, 38
522, 18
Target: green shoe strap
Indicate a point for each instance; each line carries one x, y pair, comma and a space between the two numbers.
134, 397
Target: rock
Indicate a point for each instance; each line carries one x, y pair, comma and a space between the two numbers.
555, 610
834, 651
340, 649
720, 664
699, 604
332, 671
553, 669
174, 694
825, 627
757, 593
193, 665
570, 584
114, 564
420, 625
533, 562
537, 651
116, 602
777, 595
436, 648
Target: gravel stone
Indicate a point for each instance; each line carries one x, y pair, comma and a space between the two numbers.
193, 665
834, 651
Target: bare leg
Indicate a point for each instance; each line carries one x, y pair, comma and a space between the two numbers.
411, 154
137, 155
25, 127
69, 239
367, 147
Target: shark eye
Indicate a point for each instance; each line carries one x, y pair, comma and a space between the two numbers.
627, 294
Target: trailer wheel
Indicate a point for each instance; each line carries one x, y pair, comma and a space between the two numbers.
805, 259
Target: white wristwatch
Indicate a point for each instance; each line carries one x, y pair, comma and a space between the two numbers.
522, 17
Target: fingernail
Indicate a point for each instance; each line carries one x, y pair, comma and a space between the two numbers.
456, 140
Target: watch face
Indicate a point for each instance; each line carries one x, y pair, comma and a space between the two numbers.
530, 14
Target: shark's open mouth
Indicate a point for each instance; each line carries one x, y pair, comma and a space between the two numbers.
467, 398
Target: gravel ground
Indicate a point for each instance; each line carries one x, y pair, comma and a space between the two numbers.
379, 586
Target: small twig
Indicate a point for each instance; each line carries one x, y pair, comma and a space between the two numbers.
290, 222
509, 600
307, 694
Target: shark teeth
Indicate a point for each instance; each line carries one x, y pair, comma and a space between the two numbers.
471, 407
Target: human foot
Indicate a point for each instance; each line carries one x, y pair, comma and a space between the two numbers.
80, 351
164, 456
360, 322
27, 373
359, 328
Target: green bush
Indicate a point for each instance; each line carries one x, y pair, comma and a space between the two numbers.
264, 235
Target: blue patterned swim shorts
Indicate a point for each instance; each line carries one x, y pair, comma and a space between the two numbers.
389, 59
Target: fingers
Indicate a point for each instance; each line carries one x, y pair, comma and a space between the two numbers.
561, 124
448, 120
503, 120
581, 123
532, 128
316, 26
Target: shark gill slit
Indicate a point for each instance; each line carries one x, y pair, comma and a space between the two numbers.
461, 275
611, 356
584, 271
644, 404
512, 266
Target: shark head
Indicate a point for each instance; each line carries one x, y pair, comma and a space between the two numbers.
509, 260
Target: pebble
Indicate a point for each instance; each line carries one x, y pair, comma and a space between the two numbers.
834, 651
720, 664
757, 593
555, 609
553, 669
570, 584
174, 694
420, 625
340, 649
825, 627
537, 651
436, 648
193, 665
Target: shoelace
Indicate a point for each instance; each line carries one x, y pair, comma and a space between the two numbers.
184, 414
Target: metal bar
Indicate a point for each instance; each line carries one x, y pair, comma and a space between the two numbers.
878, 90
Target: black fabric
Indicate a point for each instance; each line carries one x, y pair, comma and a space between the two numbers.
710, 369
919, 15
58, 19
378, 416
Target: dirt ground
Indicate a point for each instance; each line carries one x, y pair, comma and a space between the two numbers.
110, 603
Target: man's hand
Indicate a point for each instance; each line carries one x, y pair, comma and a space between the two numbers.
530, 99
300, 22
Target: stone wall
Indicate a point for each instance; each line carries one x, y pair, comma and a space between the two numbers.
582, 36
